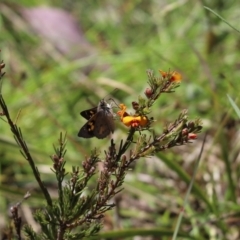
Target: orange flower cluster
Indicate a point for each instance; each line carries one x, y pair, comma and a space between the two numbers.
129, 120
173, 76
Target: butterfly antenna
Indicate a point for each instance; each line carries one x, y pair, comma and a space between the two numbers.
111, 93
117, 105
90, 102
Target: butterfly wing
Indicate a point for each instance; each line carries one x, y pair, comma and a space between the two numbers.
87, 114
87, 130
104, 124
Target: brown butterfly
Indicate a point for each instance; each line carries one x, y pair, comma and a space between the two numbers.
100, 121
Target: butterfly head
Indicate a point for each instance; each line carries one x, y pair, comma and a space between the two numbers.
105, 107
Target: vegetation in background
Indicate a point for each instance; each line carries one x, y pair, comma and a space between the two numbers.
77, 211
47, 87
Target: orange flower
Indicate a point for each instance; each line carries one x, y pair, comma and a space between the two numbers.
135, 121
122, 113
164, 74
176, 77
131, 121
173, 76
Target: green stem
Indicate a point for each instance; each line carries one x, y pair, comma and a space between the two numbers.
19, 139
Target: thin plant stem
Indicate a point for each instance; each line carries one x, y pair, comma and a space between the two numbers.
20, 141
209, 9
188, 191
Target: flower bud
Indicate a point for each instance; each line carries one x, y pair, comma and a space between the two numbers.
135, 105
192, 136
148, 92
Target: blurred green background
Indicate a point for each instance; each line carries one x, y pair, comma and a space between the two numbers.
62, 57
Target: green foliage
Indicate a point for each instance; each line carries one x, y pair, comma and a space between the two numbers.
76, 214
45, 90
